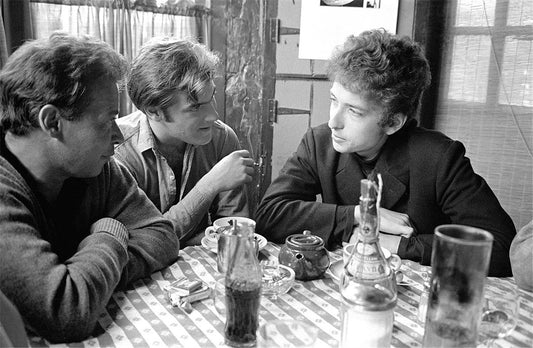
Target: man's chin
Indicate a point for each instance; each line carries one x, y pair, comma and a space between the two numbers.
339, 148
203, 141
92, 173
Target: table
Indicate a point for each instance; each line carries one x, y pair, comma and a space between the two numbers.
143, 317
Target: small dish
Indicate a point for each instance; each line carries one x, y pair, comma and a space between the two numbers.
277, 280
336, 268
212, 245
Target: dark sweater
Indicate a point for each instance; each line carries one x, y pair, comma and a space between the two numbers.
58, 274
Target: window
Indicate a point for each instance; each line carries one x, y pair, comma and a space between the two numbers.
486, 95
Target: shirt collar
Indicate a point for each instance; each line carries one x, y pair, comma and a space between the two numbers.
146, 139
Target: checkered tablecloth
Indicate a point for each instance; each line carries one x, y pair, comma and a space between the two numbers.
143, 316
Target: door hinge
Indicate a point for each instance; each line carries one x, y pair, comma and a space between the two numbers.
276, 30
273, 29
272, 110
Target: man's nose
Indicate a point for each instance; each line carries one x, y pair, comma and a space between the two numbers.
336, 119
212, 112
117, 136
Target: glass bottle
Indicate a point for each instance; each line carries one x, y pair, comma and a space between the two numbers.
243, 289
368, 284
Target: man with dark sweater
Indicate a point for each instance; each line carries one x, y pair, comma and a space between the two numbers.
74, 226
378, 80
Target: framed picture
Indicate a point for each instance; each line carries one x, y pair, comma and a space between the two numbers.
325, 24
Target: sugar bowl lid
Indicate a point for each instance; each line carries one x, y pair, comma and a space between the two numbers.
304, 241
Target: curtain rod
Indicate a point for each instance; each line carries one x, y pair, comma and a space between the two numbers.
138, 5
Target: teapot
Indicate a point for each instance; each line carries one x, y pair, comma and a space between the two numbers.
306, 254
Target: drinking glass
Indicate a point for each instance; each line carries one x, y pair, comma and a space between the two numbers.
459, 264
218, 295
286, 334
500, 312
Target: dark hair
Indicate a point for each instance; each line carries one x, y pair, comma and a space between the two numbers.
165, 66
390, 70
57, 70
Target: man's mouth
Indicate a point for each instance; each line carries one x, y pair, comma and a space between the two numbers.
336, 137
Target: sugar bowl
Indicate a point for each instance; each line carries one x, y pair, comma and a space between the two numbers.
306, 254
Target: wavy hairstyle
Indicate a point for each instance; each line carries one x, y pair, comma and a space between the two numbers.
57, 70
165, 66
390, 70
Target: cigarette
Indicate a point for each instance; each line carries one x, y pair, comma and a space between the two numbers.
184, 286
177, 299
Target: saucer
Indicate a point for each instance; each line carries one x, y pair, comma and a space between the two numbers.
208, 244
336, 268
212, 245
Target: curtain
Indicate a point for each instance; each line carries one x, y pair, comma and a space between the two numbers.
3, 42
15, 23
126, 25
486, 95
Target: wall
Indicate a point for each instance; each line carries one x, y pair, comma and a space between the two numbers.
301, 84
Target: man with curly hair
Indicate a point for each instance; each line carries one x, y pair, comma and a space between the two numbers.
378, 80
187, 161
74, 226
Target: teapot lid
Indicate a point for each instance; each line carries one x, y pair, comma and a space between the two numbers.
305, 240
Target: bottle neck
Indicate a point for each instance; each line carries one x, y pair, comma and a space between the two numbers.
369, 224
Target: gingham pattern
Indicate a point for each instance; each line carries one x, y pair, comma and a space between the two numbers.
143, 317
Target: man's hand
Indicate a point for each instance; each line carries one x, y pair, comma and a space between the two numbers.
390, 222
230, 172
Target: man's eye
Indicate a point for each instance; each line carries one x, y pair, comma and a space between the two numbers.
354, 112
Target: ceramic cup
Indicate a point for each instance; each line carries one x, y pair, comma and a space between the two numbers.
211, 232
394, 260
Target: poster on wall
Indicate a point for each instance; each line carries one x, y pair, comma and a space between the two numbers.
325, 24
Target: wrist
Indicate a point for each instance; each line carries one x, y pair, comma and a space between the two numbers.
113, 227
207, 185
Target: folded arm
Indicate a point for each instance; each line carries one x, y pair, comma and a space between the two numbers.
153, 244
60, 301
464, 198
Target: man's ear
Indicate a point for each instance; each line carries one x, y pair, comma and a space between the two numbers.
50, 120
155, 114
398, 120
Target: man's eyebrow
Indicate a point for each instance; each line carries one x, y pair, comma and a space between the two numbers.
357, 107
348, 104
198, 103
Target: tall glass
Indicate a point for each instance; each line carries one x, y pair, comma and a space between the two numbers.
459, 262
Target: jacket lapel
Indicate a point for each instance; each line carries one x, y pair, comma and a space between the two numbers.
393, 188
347, 178
393, 165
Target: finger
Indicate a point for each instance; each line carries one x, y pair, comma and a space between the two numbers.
357, 213
247, 179
408, 234
242, 153
248, 161
398, 230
